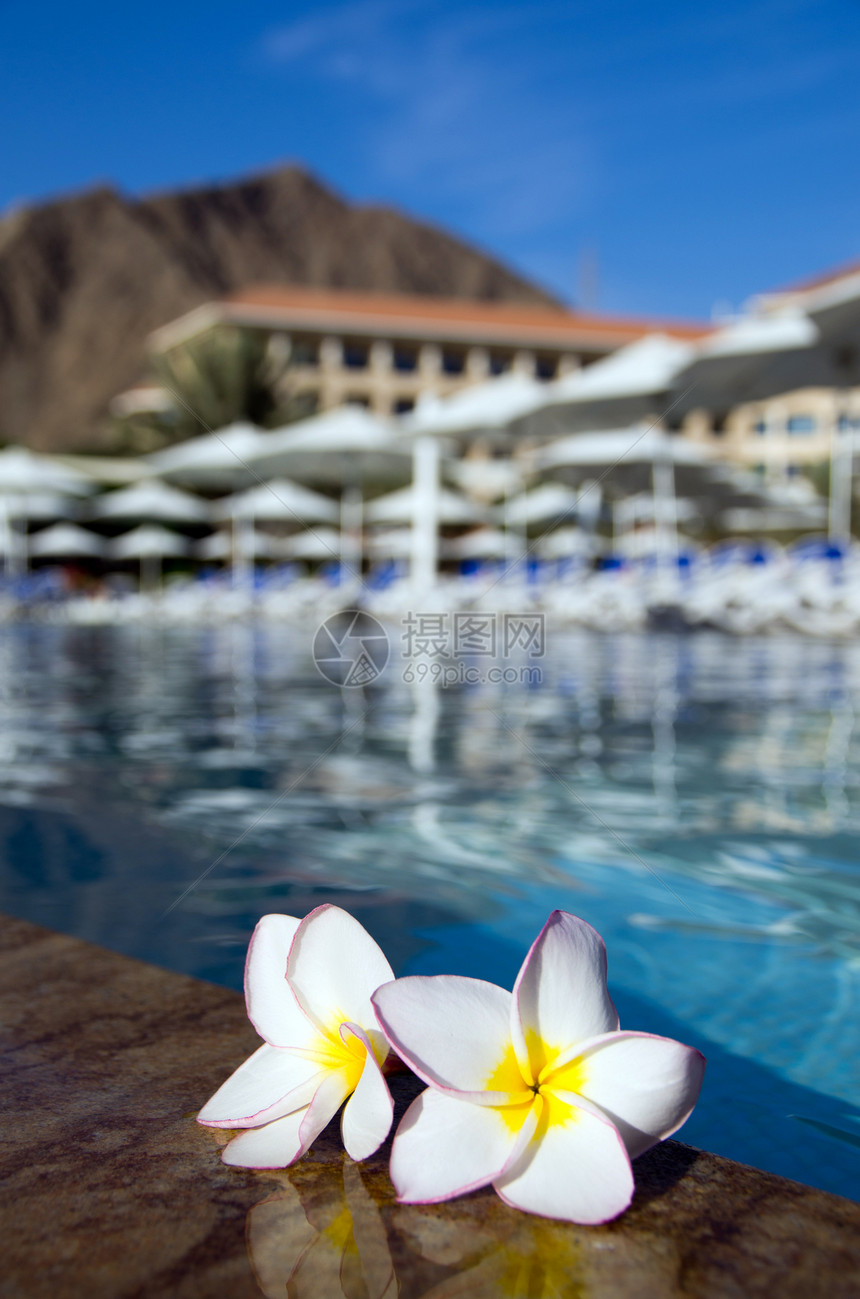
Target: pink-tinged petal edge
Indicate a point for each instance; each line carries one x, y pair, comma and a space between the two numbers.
560, 995
450, 1030
446, 1146
281, 1143
268, 1085
367, 1115
274, 1145
331, 1094
577, 1172
647, 1086
334, 963
271, 1004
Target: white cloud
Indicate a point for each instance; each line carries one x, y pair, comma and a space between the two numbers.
466, 121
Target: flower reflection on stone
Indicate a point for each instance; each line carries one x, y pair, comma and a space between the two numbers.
335, 1246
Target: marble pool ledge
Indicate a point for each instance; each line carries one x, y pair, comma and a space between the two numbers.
110, 1187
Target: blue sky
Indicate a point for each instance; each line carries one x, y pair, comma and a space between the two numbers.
693, 152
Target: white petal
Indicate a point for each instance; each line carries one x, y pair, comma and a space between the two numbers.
330, 1095
446, 1146
270, 1001
453, 1032
272, 1082
560, 996
274, 1145
577, 1170
334, 967
647, 1086
277, 1144
367, 1117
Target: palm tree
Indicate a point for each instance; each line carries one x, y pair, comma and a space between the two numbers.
212, 379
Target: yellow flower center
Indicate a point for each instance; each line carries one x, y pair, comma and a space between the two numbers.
331, 1052
539, 1083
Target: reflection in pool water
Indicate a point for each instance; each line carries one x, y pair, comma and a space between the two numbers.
696, 799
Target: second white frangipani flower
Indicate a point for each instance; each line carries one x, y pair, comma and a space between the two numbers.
536, 1092
308, 986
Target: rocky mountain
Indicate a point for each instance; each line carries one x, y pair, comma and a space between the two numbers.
83, 281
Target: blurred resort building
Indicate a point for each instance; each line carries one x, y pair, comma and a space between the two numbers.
426, 440
384, 351
781, 436
790, 381
387, 353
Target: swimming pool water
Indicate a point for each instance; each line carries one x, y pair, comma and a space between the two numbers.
695, 798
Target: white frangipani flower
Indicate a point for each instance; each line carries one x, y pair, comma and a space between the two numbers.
308, 986
536, 1092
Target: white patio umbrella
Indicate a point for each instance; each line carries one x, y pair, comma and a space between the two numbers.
24, 471
222, 546
25, 474
151, 501
752, 358
485, 478
549, 503
389, 543
483, 543
639, 508
624, 449
215, 461
540, 505
23, 508
806, 339
566, 543
775, 518
479, 408
38, 505
619, 452
277, 501
629, 385
107, 471
347, 448
348, 444
452, 510
483, 408
150, 544
834, 305
66, 541
316, 543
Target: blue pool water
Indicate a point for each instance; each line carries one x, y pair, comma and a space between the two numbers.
697, 799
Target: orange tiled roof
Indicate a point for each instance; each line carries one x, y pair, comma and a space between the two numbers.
817, 281
521, 320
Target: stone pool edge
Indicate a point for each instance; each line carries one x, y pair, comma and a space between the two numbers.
111, 1188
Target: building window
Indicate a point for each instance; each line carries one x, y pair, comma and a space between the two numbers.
405, 359
453, 362
357, 399
356, 356
546, 367
499, 363
306, 351
404, 405
801, 424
